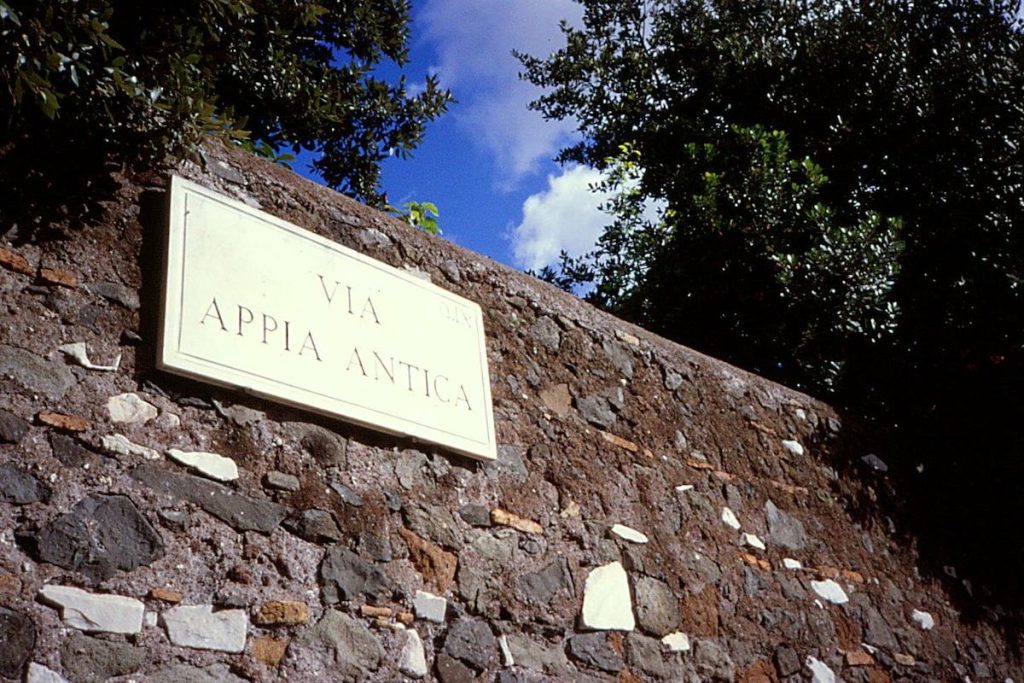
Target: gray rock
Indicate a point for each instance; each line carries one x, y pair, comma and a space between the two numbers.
375, 546
876, 629
787, 661
594, 650
783, 529
673, 380
435, 523
348, 644
348, 495
281, 481
649, 656
223, 170
91, 660
540, 588
712, 661
115, 292
12, 427
315, 526
72, 453
100, 536
37, 375
657, 608
17, 640
520, 677
451, 670
239, 415
509, 462
241, 512
620, 357
546, 333
471, 642
733, 498
21, 488
327, 447
184, 673
410, 469
346, 576
475, 515
451, 270
539, 656
872, 461
596, 410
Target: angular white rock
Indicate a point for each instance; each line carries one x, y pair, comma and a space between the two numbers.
430, 607
924, 620
506, 653
606, 602
413, 661
677, 642
118, 444
95, 611
79, 353
623, 531
211, 465
831, 591
131, 409
793, 447
820, 673
37, 673
683, 488
729, 517
790, 563
199, 627
753, 541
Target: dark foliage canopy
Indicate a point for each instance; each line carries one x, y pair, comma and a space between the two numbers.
841, 193
141, 79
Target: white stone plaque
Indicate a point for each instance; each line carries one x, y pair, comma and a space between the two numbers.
253, 302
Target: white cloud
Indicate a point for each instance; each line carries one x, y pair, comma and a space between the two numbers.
562, 217
474, 40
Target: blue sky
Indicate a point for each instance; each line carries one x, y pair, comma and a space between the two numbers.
487, 162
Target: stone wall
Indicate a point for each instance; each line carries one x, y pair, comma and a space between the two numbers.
653, 515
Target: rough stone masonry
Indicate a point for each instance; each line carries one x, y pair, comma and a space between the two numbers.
654, 514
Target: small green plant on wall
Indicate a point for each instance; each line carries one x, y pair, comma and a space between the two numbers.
420, 215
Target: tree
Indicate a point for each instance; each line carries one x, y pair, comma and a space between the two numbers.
825, 166
138, 80
913, 113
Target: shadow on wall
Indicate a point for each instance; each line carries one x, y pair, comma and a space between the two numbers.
951, 485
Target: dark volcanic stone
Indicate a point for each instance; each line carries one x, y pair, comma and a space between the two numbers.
315, 526
787, 661
35, 374
596, 410
352, 648
72, 453
451, 670
91, 660
540, 588
241, 512
593, 649
12, 427
346, 576
115, 292
327, 448
657, 608
20, 487
99, 536
475, 515
784, 529
471, 642
348, 495
17, 640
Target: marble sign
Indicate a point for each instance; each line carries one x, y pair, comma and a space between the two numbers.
255, 303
